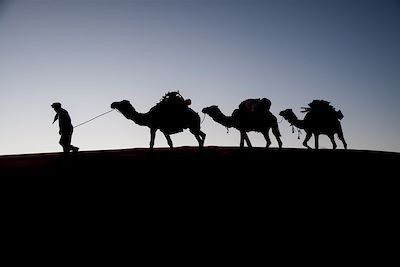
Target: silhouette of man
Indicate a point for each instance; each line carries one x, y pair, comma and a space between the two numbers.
66, 128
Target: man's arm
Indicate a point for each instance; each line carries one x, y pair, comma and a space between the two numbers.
55, 118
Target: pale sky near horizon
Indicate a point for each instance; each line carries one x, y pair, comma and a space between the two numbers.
87, 54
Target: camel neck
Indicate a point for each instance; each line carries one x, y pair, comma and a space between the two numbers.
295, 121
221, 118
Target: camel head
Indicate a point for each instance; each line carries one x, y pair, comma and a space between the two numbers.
210, 110
125, 108
121, 104
288, 114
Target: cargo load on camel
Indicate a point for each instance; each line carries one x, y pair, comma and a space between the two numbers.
255, 105
322, 108
175, 99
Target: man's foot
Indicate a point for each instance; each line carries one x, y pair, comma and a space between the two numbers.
75, 150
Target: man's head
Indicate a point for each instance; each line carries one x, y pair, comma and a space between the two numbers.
56, 105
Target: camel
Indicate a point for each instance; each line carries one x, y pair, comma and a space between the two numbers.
325, 123
246, 121
169, 119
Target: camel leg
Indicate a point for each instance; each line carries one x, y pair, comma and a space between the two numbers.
266, 136
308, 136
344, 142
341, 137
332, 138
316, 141
169, 141
152, 137
278, 139
200, 136
246, 138
241, 139
277, 134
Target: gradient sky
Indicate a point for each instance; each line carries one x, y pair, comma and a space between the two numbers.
89, 53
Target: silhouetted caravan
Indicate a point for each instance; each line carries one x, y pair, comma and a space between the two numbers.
321, 118
171, 115
252, 115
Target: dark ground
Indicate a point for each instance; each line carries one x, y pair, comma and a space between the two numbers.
214, 164
325, 202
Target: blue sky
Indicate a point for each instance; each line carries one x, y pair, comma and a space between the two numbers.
89, 53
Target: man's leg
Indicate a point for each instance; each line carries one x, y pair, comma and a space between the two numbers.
65, 142
74, 149
64, 145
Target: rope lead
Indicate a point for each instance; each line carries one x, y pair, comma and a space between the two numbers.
93, 118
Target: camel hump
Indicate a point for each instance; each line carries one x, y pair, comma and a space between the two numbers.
255, 105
